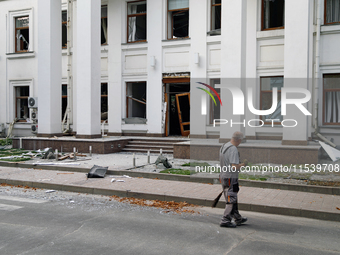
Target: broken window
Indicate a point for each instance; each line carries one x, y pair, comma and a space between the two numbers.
273, 14
136, 20
63, 100
22, 34
215, 14
331, 99
215, 106
332, 11
104, 25
266, 97
178, 19
21, 102
136, 100
64, 29
104, 102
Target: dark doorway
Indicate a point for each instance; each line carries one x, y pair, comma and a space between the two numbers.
173, 89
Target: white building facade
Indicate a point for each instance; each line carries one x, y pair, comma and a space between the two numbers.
132, 67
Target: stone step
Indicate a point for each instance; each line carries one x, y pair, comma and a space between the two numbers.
149, 146
146, 150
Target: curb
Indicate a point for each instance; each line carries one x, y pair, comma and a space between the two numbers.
196, 201
186, 178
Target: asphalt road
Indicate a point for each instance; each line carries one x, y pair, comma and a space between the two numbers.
36, 222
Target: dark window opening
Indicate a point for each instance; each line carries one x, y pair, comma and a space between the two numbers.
331, 99
215, 109
104, 25
136, 100
215, 14
21, 103
178, 22
63, 100
136, 20
64, 29
22, 34
266, 97
332, 11
104, 102
273, 14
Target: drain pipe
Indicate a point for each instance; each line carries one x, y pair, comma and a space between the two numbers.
317, 75
69, 67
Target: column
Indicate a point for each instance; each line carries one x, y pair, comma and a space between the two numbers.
88, 68
233, 45
49, 67
115, 86
296, 65
154, 86
198, 66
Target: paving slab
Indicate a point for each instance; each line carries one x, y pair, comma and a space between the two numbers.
285, 202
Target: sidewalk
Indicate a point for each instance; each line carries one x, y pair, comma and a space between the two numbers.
275, 201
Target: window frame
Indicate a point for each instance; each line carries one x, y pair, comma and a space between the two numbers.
16, 98
11, 32
262, 18
325, 16
172, 12
128, 98
269, 91
324, 100
135, 15
101, 99
211, 15
107, 24
62, 24
213, 82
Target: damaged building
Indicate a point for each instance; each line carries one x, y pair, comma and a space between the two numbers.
134, 67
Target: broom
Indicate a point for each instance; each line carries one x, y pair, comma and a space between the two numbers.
216, 200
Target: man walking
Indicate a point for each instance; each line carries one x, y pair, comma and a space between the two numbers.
230, 168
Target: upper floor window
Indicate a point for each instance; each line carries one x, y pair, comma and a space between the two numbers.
331, 99
332, 11
64, 29
104, 25
136, 20
273, 14
215, 14
22, 37
266, 98
178, 19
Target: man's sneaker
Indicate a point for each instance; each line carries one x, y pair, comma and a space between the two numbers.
241, 221
228, 225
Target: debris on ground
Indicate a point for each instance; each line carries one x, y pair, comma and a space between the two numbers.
164, 160
168, 206
50, 191
97, 172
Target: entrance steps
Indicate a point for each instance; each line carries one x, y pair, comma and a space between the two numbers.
152, 145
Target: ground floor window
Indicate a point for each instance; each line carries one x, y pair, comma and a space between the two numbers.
21, 103
266, 97
215, 106
104, 102
136, 99
331, 99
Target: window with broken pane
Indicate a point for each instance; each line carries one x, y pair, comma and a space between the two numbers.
63, 100
136, 100
21, 102
104, 25
215, 14
331, 99
64, 29
273, 14
22, 34
266, 97
136, 20
332, 11
178, 19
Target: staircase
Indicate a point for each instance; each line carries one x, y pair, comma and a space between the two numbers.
152, 145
